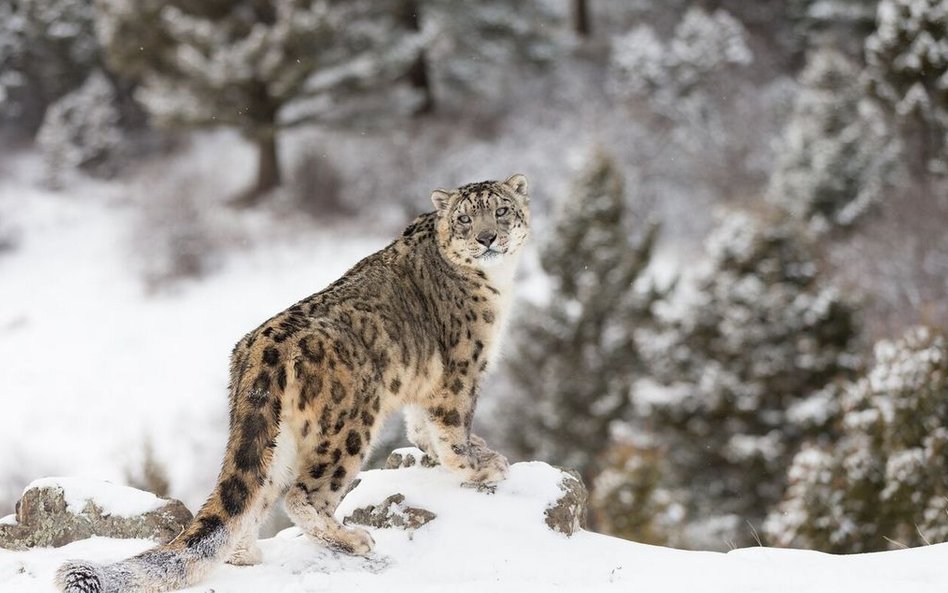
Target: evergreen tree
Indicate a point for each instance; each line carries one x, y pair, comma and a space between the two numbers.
907, 62
258, 66
575, 357
81, 131
749, 357
835, 155
47, 49
843, 23
475, 48
884, 483
675, 76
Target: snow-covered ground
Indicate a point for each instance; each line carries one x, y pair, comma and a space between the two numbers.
499, 542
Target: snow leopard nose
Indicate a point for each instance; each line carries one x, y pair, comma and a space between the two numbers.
486, 238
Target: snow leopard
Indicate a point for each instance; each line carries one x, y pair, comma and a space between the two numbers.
413, 327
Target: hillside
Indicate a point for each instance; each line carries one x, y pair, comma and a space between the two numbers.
499, 541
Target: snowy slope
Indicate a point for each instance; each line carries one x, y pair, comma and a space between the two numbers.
481, 542
92, 365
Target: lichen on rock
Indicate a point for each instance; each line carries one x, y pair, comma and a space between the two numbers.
391, 512
49, 514
568, 513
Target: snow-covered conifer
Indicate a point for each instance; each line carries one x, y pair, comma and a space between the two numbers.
576, 356
474, 48
835, 154
673, 73
845, 23
907, 62
81, 131
47, 49
259, 67
884, 483
750, 354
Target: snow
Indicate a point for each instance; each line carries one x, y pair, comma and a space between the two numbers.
498, 542
113, 499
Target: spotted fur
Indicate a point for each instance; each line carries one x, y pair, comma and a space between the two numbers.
413, 326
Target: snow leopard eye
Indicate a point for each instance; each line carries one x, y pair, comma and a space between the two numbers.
464, 219
501, 212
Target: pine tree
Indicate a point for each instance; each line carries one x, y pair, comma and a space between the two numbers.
843, 23
907, 62
750, 358
674, 76
81, 132
47, 49
473, 48
884, 483
574, 358
835, 156
258, 66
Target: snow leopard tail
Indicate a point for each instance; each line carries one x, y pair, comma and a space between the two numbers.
230, 512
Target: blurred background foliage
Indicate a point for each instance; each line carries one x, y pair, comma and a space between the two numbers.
733, 314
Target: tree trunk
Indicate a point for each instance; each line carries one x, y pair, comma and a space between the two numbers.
581, 19
260, 125
268, 172
268, 163
417, 74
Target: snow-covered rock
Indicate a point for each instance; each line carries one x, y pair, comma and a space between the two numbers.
567, 514
56, 511
383, 498
499, 542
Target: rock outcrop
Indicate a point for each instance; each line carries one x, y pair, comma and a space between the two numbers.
56, 511
391, 512
568, 514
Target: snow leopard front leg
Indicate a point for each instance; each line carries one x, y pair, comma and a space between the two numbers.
417, 430
449, 414
422, 434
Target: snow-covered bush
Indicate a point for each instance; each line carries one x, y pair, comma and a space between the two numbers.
907, 61
176, 237
574, 358
47, 49
315, 185
671, 75
81, 132
835, 154
628, 499
884, 483
750, 355
150, 474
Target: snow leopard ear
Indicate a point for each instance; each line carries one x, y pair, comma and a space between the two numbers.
441, 198
518, 183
